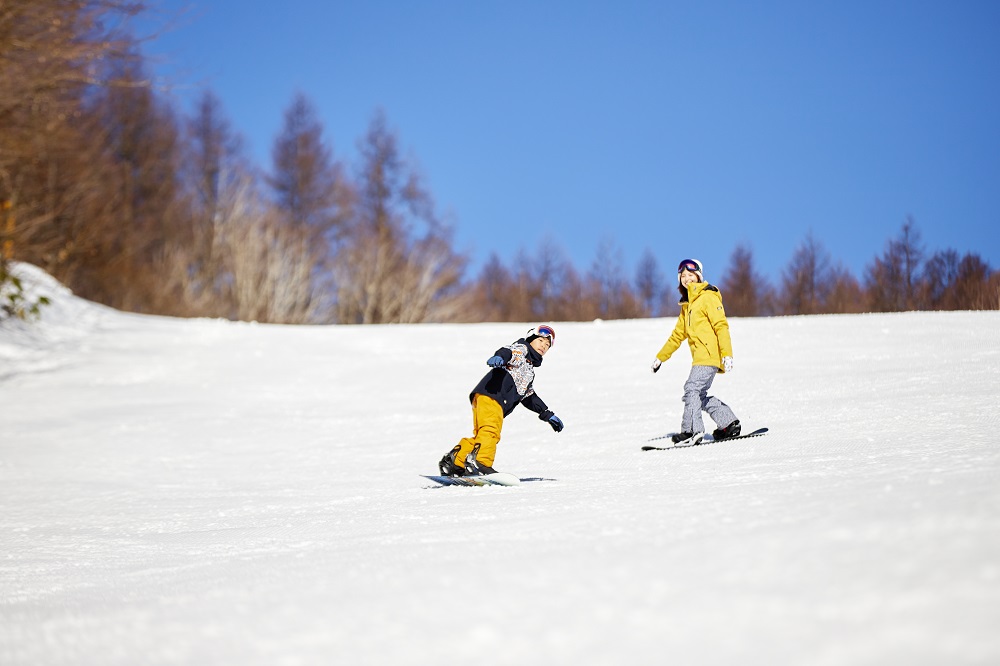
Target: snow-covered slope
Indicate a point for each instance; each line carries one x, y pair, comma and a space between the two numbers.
200, 491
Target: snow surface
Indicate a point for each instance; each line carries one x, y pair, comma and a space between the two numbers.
201, 491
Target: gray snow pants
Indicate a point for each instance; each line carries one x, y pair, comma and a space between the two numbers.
696, 399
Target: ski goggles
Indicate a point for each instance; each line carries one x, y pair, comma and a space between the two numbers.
546, 331
692, 265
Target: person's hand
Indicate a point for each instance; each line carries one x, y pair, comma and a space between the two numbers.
553, 420
495, 362
727, 363
656, 364
556, 423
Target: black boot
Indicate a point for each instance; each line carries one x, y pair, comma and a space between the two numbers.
448, 466
475, 468
731, 430
687, 437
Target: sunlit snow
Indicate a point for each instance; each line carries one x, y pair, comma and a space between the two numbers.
207, 492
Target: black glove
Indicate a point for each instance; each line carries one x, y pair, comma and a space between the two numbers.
553, 420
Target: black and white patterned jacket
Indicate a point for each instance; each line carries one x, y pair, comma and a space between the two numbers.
513, 384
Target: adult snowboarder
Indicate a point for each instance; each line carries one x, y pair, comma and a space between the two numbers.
702, 322
510, 382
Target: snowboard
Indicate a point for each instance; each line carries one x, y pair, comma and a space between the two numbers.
756, 433
498, 479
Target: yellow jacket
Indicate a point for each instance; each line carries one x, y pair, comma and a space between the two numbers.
703, 322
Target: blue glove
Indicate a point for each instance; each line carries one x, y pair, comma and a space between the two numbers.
553, 420
495, 362
556, 423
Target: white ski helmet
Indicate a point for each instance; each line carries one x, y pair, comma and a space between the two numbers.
693, 266
542, 331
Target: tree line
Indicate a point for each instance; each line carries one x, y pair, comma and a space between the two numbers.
905, 276
132, 204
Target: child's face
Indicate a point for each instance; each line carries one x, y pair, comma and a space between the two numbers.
540, 345
687, 277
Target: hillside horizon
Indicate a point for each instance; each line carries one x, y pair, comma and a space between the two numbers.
181, 491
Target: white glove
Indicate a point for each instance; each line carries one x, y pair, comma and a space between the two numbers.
656, 364
727, 363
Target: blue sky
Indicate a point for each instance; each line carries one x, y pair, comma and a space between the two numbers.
685, 127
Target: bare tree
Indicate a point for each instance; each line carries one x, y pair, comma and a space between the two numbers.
612, 293
214, 150
805, 284
951, 282
941, 273
493, 292
396, 257
271, 263
543, 279
540, 286
991, 293
96, 195
845, 294
606, 276
214, 168
61, 195
650, 284
974, 288
430, 282
746, 292
894, 278
312, 193
309, 185
142, 138
50, 53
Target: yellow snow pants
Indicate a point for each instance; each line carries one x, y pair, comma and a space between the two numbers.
487, 421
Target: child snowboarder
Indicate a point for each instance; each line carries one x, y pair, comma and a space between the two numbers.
508, 384
702, 322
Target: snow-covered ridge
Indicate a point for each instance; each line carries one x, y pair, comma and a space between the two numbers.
201, 491
37, 346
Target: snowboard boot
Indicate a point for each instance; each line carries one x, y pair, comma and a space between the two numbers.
687, 438
475, 468
731, 430
448, 466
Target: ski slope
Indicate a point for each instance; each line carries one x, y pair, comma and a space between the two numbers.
208, 492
